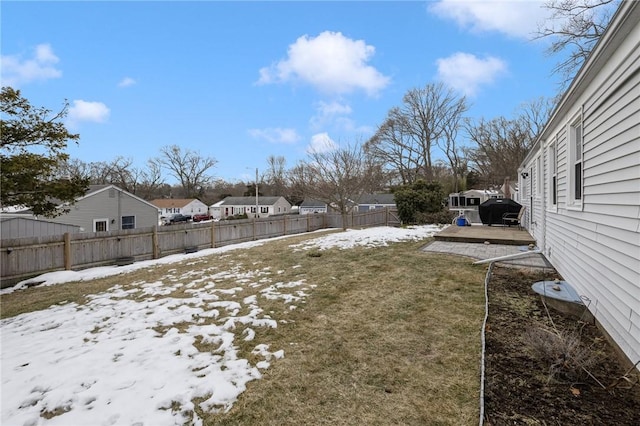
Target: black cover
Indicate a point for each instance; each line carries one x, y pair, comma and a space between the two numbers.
491, 211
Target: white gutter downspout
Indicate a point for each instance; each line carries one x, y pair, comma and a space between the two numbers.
507, 257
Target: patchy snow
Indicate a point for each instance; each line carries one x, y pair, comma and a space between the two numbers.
370, 237
130, 355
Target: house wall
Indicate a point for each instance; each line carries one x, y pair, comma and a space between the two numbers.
195, 207
18, 227
595, 245
312, 210
281, 206
110, 204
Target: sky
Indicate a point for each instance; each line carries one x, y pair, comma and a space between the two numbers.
107, 363
242, 81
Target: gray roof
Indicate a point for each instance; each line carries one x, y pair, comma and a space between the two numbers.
377, 199
313, 203
249, 201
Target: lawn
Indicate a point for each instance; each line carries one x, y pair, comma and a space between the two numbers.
340, 328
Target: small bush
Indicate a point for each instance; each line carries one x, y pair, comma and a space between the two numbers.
443, 217
566, 356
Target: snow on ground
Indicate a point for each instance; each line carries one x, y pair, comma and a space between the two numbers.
129, 355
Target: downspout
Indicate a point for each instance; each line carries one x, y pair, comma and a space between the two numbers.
507, 257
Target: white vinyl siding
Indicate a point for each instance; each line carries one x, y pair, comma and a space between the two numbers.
593, 240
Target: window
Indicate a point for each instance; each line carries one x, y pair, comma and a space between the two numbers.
253, 209
264, 209
539, 176
100, 225
575, 160
553, 175
128, 222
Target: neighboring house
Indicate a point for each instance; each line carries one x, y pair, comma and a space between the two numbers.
23, 226
472, 198
109, 208
368, 202
267, 206
310, 206
186, 206
580, 182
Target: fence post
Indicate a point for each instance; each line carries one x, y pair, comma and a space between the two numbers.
308, 223
154, 242
254, 228
67, 251
213, 234
284, 221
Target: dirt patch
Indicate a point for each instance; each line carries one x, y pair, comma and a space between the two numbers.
550, 369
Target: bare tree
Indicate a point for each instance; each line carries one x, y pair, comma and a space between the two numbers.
575, 26
188, 167
149, 180
337, 177
406, 139
501, 146
276, 174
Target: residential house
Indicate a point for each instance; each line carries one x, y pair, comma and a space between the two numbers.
580, 182
266, 206
109, 208
466, 202
23, 226
185, 206
311, 206
368, 202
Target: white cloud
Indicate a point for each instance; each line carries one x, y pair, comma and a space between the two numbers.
328, 113
81, 111
276, 135
330, 62
126, 82
321, 142
17, 71
466, 72
518, 18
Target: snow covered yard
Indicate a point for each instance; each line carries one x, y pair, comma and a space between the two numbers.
143, 350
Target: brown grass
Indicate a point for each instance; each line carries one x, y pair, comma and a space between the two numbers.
389, 336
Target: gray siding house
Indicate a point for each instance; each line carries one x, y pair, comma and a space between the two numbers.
267, 206
24, 226
109, 208
581, 182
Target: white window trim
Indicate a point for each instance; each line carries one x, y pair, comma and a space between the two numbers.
572, 202
135, 220
106, 220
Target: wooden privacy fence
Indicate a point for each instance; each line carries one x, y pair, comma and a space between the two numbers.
22, 258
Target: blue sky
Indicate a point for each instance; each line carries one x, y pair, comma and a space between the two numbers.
240, 81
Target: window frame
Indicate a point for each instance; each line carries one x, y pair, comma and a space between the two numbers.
122, 224
552, 174
106, 224
575, 162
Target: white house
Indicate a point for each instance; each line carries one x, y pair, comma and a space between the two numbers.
186, 206
580, 182
267, 206
310, 206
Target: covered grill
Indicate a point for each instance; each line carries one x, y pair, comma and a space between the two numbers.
491, 211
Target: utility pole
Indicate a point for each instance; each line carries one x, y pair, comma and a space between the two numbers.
257, 193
